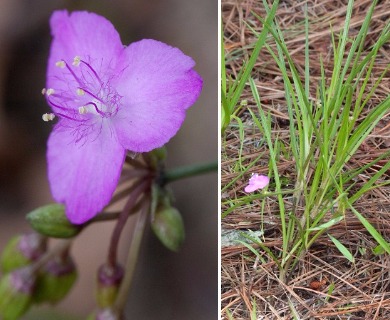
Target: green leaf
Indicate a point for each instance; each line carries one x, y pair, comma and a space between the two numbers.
328, 224
370, 228
345, 252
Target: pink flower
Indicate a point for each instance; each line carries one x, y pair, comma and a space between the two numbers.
257, 182
108, 98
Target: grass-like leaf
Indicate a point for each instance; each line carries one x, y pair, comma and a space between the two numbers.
344, 251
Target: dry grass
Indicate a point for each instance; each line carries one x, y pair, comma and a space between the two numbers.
361, 290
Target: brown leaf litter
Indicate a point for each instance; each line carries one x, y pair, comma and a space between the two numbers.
324, 285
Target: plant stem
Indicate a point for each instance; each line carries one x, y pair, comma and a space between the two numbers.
128, 174
112, 252
131, 262
125, 192
62, 246
187, 171
105, 216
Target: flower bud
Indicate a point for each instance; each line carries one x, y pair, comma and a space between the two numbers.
16, 290
21, 250
161, 198
55, 280
105, 314
108, 282
156, 158
168, 226
51, 221
160, 153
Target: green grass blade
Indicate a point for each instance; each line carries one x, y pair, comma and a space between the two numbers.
241, 81
344, 251
371, 229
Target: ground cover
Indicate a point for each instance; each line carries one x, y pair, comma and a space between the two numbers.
272, 267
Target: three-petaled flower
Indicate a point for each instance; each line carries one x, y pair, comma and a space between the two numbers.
108, 98
256, 182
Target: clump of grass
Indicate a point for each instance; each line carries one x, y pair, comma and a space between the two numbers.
325, 132
231, 90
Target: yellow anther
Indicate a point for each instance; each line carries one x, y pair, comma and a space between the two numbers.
76, 61
48, 117
83, 110
60, 64
80, 92
49, 91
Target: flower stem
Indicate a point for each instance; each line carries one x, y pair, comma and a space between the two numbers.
105, 216
188, 171
137, 191
119, 196
62, 247
131, 262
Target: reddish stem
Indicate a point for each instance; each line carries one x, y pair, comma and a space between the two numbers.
137, 191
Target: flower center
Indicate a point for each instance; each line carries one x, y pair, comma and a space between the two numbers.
83, 97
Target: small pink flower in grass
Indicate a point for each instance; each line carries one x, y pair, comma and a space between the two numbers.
257, 182
108, 98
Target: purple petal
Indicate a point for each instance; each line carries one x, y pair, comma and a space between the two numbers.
158, 84
257, 182
250, 188
83, 34
83, 175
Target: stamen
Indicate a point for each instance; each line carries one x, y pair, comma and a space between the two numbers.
86, 89
49, 91
76, 61
60, 64
57, 106
48, 117
93, 71
73, 74
83, 110
96, 108
80, 92
94, 96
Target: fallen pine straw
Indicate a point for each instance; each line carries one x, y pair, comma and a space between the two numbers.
361, 290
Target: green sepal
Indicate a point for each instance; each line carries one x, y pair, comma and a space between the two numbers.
51, 221
161, 197
55, 281
168, 226
92, 316
108, 283
105, 296
12, 258
14, 300
157, 157
16, 255
104, 314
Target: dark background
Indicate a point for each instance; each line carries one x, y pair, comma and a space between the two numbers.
168, 285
